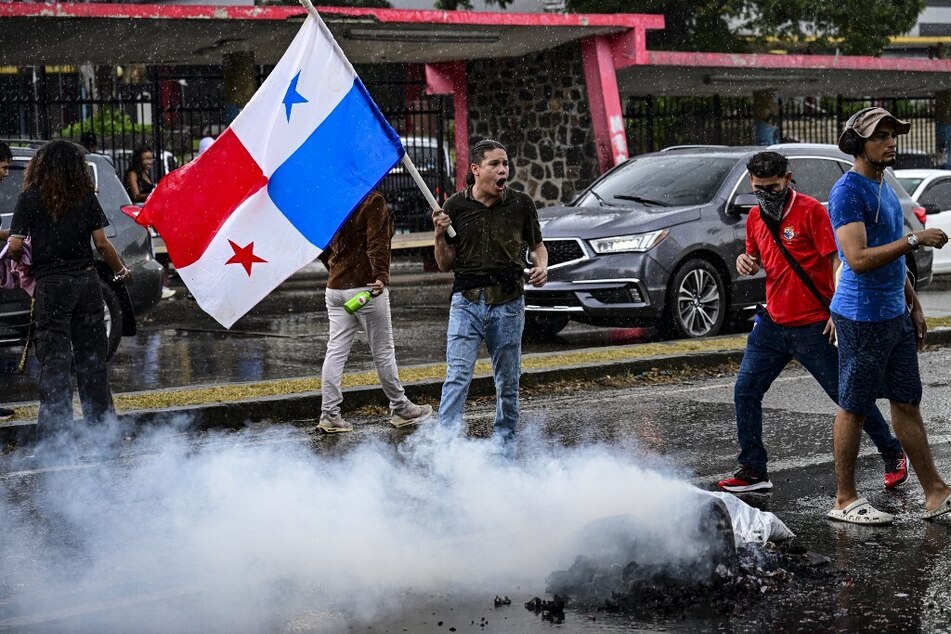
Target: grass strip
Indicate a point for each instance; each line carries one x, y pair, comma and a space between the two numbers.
232, 392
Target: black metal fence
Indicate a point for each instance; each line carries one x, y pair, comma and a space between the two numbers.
654, 123
169, 109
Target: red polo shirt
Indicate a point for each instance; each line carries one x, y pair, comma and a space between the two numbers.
806, 232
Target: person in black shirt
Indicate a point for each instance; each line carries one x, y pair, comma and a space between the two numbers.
5, 157
138, 178
58, 209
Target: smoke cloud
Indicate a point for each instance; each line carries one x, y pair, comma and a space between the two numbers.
241, 532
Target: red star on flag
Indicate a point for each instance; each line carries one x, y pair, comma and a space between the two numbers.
244, 256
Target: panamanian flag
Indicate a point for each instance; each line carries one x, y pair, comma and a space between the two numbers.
267, 197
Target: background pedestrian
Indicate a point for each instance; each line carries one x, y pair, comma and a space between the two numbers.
58, 209
358, 259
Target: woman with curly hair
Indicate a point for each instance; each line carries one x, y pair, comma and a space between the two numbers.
58, 209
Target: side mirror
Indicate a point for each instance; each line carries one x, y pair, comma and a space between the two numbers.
931, 208
742, 204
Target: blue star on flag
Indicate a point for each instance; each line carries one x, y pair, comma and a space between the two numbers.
292, 97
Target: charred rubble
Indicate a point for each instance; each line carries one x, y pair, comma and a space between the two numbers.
713, 576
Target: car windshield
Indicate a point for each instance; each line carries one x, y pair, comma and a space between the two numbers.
655, 182
910, 184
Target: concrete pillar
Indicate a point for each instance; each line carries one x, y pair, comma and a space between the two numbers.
449, 78
604, 101
241, 80
942, 116
765, 113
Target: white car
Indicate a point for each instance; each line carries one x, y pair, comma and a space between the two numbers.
931, 189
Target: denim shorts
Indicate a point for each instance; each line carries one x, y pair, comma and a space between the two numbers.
877, 359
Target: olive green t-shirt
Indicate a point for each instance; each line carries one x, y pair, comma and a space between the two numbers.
492, 238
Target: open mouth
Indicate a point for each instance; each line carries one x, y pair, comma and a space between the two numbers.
500, 184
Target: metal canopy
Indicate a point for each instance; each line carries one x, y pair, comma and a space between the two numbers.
36, 34
74, 33
669, 73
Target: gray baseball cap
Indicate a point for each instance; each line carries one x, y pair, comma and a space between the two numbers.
865, 123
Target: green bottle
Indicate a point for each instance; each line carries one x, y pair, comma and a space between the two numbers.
357, 302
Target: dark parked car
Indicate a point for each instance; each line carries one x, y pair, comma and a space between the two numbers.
412, 213
654, 241
132, 242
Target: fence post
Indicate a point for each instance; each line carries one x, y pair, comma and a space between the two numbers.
651, 147
43, 100
717, 119
839, 115
157, 115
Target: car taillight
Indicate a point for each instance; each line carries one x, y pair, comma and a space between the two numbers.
132, 211
921, 214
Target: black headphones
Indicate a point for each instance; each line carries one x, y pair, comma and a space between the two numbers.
850, 142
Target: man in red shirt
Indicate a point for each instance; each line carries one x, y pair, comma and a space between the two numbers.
796, 324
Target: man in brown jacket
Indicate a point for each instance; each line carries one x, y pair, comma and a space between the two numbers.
358, 259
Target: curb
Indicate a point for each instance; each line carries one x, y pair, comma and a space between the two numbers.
306, 405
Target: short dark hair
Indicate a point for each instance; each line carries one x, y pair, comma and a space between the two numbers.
88, 138
5, 153
477, 155
767, 165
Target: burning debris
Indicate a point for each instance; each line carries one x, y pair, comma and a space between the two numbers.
553, 611
709, 574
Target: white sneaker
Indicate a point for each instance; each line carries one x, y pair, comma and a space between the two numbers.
410, 415
167, 292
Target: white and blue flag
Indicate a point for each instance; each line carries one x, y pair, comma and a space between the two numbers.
267, 197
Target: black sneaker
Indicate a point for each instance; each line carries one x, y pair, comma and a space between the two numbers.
747, 479
6, 413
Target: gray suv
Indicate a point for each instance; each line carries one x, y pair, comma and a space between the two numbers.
654, 241
132, 242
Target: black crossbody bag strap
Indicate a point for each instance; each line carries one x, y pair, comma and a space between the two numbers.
797, 269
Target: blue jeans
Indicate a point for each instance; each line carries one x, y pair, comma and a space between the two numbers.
769, 348
501, 328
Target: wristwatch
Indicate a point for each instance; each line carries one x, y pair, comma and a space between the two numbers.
913, 241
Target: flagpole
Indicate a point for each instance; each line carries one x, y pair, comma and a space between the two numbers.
406, 160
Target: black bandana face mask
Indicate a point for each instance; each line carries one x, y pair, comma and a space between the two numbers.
772, 203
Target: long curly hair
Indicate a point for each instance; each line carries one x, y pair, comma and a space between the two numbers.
58, 171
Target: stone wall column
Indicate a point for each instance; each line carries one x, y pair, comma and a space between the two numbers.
765, 112
241, 81
942, 116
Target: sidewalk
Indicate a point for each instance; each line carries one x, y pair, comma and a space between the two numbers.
232, 405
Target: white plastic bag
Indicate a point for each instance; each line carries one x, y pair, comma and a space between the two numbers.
751, 525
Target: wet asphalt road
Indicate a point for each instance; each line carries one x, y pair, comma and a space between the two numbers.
283, 337
893, 579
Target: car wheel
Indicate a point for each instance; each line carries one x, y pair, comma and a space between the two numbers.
541, 327
696, 301
112, 314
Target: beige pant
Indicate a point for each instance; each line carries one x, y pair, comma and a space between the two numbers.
374, 319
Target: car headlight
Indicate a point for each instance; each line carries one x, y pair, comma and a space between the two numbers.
636, 242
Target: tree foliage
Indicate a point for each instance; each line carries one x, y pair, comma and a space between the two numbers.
853, 27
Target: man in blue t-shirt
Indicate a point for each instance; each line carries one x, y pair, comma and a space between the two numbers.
878, 338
